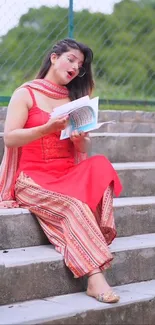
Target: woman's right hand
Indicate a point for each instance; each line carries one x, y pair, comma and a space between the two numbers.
55, 125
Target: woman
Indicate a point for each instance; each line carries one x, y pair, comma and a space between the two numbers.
72, 201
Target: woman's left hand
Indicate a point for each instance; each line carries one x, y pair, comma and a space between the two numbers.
81, 140
78, 136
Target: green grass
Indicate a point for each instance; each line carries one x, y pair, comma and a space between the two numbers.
118, 107
128, 108
107, 92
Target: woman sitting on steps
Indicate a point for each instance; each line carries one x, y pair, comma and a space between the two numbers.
72, 200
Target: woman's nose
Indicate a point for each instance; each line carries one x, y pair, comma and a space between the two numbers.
75, 66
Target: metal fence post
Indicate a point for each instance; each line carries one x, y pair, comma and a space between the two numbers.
70, 19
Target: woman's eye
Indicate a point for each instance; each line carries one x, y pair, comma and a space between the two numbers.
70, 60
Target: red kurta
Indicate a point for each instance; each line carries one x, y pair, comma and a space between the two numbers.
49, 161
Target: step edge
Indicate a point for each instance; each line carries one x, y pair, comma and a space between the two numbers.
134, 165
133, 201
49, 254
114, 134
14, 211
131, 293
118, 202
122, 134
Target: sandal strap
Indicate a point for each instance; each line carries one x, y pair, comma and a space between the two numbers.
94, 273
102, 297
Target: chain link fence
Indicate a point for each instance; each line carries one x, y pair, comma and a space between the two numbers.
123, 42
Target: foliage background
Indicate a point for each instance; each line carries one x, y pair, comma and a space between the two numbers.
123, 45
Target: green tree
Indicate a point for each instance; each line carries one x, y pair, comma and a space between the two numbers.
147, 3
123, 44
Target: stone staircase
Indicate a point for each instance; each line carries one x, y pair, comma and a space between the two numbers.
37, 288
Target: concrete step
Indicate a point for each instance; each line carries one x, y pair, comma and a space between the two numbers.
123, 127
137, 178
126, 120
20, 228
124, 147
133, 216
136, 307
38, 272
118, 147
118, 127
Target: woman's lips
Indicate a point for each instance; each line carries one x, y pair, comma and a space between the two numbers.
70, 74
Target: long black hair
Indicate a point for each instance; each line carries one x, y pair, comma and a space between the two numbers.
79, 86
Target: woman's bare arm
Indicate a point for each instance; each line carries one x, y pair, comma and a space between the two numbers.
14, 133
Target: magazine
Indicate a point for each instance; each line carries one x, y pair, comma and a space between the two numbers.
83, 115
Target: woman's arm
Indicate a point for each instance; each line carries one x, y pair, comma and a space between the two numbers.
14, 133
17, 114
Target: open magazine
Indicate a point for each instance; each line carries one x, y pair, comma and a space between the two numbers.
83, 115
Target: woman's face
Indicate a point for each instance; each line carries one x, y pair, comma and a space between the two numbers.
67, 67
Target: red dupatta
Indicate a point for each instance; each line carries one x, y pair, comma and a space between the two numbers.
11, 156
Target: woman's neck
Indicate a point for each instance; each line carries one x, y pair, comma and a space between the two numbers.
49, 77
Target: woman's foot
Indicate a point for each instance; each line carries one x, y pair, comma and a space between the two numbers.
100, 289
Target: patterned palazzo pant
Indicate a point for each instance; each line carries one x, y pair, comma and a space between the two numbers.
79, 234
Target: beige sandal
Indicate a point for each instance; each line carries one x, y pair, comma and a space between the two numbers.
109, 297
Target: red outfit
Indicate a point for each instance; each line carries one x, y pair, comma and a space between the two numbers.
72, 202
49, 161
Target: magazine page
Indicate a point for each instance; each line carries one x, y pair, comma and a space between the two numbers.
98, 125
86, 115
78, 120
87, 128
67, 108
82, 119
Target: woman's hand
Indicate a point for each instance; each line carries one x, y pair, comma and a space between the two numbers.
20, 137
77, 136
55, 125
80, 140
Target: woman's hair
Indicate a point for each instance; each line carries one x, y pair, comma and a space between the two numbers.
79, 86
